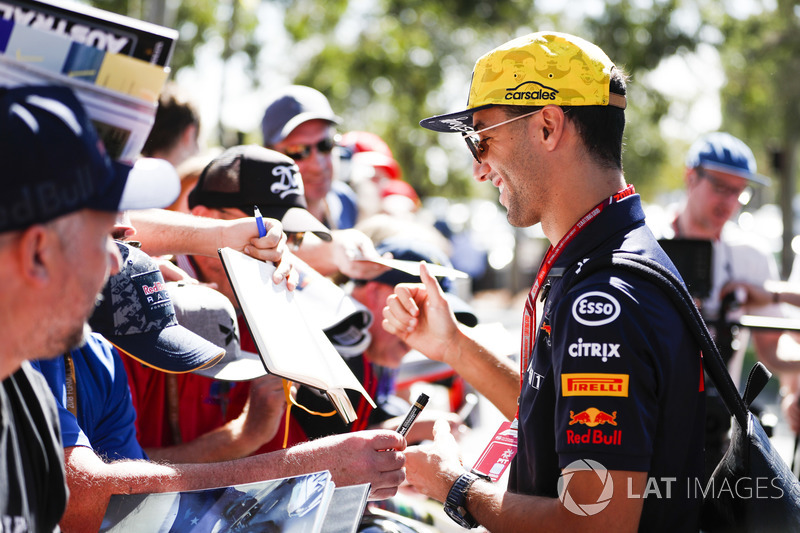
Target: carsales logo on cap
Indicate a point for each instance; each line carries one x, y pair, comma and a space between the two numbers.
595, 308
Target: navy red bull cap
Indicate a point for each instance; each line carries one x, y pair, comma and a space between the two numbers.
137, 316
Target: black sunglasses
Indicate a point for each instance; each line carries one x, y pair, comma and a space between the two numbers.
298, 152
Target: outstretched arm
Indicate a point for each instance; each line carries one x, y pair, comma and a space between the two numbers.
169, 232
255, 426
433, 468
374, 457
419, 315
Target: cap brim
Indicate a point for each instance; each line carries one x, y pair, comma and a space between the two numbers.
326, 304
301, 119
151, 183
297, 219
462, 310
459, 122
736, 171
174, 349
246, 366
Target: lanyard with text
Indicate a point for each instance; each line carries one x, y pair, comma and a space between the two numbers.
529, 316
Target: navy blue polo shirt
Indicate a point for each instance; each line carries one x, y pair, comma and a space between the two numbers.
615, 377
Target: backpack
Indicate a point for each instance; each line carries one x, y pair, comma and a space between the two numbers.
764, 494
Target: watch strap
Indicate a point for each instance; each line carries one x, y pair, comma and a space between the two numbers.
455, 503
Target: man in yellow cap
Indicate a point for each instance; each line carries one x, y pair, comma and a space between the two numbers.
607, 408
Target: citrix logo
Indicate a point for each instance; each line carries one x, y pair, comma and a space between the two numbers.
603, 350
585, 509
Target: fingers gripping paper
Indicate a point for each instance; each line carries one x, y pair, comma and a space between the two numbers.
289, 343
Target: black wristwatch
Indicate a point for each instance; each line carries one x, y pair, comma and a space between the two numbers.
455, 504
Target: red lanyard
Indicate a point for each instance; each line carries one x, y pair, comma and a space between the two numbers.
529, 316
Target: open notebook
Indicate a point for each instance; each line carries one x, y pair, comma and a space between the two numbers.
290, 344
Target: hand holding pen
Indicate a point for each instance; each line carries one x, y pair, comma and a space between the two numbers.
270, 245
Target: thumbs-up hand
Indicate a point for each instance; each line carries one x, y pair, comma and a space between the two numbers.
419, 315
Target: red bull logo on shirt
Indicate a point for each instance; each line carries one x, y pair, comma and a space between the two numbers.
594, 385
593, 417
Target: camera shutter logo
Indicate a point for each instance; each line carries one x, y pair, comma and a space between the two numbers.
585, 509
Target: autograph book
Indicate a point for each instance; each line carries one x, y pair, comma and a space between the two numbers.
290, 344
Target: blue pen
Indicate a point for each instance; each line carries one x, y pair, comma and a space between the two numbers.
262, 231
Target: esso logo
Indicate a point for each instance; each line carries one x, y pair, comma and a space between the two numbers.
595, 308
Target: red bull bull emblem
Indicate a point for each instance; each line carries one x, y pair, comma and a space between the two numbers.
593, 417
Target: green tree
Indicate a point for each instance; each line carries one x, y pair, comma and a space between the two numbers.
761, 103
413, 58
386, 64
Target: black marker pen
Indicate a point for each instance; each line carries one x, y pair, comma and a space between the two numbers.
413, 413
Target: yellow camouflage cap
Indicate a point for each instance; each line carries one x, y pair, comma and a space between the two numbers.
535, 70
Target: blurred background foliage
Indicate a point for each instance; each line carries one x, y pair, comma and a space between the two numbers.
386, 64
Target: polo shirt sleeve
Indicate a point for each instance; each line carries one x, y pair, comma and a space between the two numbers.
606, 373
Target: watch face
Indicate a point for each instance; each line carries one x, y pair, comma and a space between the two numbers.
454, 505
458, 518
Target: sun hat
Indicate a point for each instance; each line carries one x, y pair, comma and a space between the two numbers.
291, 107
724, 153
211, 315
537, 69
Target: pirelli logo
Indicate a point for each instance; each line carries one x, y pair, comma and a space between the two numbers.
594, 385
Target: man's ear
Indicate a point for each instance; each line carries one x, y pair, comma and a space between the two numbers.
552, 125
36, 253
691, 177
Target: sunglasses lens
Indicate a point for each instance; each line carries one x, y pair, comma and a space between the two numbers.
472, 144
326, 145
298, 151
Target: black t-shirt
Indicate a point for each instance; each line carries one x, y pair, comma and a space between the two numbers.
33, 490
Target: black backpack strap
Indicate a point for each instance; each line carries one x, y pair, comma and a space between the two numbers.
677, 292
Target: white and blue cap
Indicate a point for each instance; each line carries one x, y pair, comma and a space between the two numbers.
725, 153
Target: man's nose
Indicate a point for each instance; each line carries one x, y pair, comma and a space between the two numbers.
114, 257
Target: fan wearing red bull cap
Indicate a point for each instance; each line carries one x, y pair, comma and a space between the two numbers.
609, 391
96, 409
61, 195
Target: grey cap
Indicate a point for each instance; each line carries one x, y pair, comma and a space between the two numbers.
291, 107
210, 314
